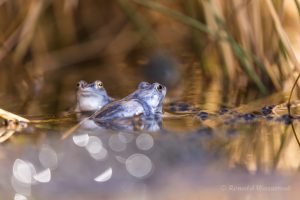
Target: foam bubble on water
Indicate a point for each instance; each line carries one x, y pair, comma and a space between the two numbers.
43, 176
125, 137
20, 197
105, 176
116, 144
20, 188
23, 171
138, 165
81, 140
144, 141
48, 157
94, 145
120, 159
101, 155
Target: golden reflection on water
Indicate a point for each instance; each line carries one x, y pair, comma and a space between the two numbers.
264, 148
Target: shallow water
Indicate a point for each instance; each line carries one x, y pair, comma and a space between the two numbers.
216, 154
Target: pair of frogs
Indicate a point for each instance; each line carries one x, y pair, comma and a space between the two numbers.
146, 101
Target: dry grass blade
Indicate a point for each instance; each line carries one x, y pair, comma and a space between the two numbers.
176, 15
6, 135
28, 30
14, 123
73, 128
298, 6
283, 36
12, 117
9, 43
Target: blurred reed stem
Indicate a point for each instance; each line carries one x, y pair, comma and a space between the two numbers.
238, 47
139, 22
238, 50
176, 15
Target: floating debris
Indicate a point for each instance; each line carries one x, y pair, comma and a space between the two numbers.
203, 115
180, 107
267, 110
12, 117
249, 116
223, 110
286, 119
11, 123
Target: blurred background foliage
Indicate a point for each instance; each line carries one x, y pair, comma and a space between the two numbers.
206, 51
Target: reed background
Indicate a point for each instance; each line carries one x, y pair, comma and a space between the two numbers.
231, 51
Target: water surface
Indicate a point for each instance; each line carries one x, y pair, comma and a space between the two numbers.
219, 153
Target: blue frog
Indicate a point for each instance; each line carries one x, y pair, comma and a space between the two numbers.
91, 96
147, 101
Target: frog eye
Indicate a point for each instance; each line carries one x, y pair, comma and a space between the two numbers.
98, 84
159, 87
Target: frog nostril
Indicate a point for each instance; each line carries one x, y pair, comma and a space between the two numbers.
143, 85
81, 84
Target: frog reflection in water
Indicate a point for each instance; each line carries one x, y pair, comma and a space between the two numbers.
147, 101
91, 97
